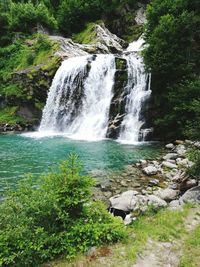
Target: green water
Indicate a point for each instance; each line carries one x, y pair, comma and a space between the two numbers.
20, 155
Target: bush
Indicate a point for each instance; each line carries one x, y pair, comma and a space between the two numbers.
51, 216
194, 155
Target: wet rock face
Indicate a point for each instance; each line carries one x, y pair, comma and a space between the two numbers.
117, 107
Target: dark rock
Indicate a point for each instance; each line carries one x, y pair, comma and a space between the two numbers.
187, 184
118, 102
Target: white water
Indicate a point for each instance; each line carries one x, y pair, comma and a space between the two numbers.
78, 105
90, 121
136, 46
60, 97
138, 91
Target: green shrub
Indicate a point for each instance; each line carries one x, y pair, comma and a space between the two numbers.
194, 156
51, 216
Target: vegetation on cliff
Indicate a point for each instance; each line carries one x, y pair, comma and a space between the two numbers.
27, 68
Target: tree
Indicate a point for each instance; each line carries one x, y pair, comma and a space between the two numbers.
172, 56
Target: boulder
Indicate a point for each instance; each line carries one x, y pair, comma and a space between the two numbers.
181, 150
156, 201
170, 146
191, 196
150, 170
169, 165
167, 194
143, 162
189, 142
126, 201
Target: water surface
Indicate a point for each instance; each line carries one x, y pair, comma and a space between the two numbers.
20, 154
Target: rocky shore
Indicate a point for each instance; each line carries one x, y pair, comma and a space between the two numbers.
163, 182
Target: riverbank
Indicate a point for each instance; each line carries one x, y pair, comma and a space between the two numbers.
165, 214
161, 182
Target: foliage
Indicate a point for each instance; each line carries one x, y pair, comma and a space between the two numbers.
194, 170
57, 216
165, 225
172, 56
65, 16
24, 53
7, 115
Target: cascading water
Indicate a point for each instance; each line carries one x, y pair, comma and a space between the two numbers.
137, 92
60, 104
92, 123
86, 117
79, 99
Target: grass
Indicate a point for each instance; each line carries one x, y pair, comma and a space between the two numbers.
191, 250
87, 36
165, 226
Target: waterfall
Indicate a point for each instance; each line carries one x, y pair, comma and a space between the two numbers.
137, 91
60, 104
79, 98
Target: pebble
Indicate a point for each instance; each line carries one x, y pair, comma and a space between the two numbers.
153, 182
